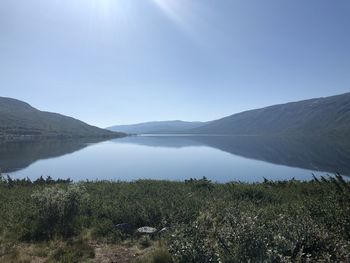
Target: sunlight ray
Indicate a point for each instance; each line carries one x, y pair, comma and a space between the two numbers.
178, 11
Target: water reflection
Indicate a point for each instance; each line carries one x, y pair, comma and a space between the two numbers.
15, 156
178, 158
324, 154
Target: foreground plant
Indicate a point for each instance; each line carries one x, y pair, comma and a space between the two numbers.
286, 221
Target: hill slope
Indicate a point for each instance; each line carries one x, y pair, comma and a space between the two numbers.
157, 127
18, 119
329, 115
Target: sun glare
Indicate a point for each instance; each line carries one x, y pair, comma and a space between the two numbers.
185, 14
103, 8
175, 10
100, 9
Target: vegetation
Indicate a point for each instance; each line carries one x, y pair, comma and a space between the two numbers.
284, 221
19, 120
320, 116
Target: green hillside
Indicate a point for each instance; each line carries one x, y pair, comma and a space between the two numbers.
20, 120
321, 116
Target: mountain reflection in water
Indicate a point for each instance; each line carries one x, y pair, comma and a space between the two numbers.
320, 153
93, 159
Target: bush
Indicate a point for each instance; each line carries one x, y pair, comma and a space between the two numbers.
206, 222
195, 242
106, 230
57, 210
246, 233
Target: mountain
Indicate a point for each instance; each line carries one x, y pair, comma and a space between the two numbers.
157, 127
20, 120
321, 116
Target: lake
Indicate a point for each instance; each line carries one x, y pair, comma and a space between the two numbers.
219, 158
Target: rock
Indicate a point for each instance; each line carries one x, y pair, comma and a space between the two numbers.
125, 227
163, 231
146, 230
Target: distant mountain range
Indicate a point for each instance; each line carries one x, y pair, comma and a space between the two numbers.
19, 120
157, 127
320, 116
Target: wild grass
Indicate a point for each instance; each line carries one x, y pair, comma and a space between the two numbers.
285, 221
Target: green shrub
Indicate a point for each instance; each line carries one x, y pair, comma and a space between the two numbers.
206, 222
195, 242
105, 229
246, 233
57, 210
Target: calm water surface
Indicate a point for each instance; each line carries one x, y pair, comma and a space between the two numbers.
219, 158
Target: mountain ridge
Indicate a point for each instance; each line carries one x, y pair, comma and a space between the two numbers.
325, 115
19, 120
156, 127
316, 116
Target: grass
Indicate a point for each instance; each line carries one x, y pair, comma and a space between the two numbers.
159, 255
286, 221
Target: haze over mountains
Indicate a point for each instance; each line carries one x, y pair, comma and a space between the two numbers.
18, 119
320, 116
157, 127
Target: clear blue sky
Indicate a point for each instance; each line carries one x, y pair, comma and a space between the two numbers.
123, 61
